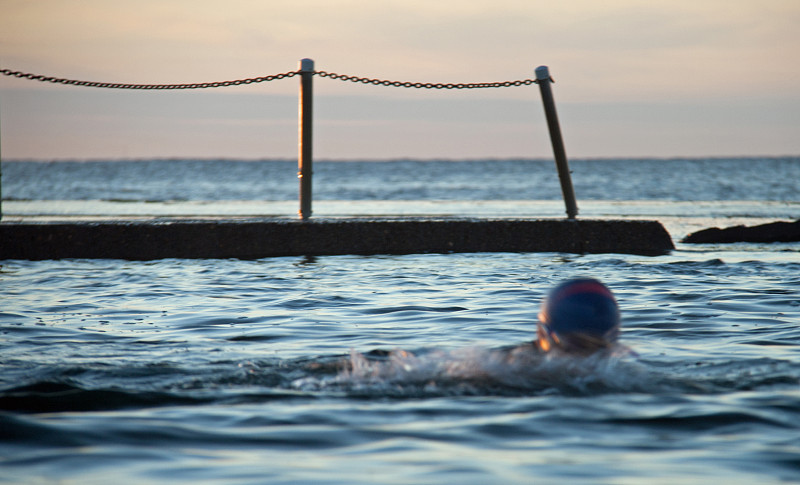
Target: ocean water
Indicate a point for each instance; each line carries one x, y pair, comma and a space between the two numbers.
389, 369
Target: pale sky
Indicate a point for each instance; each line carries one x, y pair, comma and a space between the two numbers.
658, 78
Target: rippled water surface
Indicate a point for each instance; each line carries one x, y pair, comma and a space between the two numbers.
394, 369
261, 371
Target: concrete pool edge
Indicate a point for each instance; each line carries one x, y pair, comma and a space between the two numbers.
255, 238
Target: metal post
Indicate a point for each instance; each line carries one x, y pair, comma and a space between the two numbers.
544, 80
1, 182
305, 125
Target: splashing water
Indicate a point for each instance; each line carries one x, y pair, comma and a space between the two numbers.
483, 371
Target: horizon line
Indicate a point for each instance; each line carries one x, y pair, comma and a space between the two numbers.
384, 160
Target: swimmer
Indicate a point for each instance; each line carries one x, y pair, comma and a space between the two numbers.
579, 317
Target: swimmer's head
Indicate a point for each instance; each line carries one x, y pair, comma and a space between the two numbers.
578, 316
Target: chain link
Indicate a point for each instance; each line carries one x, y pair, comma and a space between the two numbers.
406, 84
239, 82
93, 84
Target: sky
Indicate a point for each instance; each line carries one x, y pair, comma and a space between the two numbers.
633, 78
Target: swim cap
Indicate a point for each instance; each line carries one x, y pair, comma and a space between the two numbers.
579, 315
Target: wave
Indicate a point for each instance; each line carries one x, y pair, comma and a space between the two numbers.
399, 374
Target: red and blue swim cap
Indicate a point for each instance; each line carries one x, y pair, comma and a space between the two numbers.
579, 315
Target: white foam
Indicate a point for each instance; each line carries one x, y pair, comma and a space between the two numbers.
480, 370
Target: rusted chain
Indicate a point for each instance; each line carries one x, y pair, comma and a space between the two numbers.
418, 85
94, 84
239, 82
